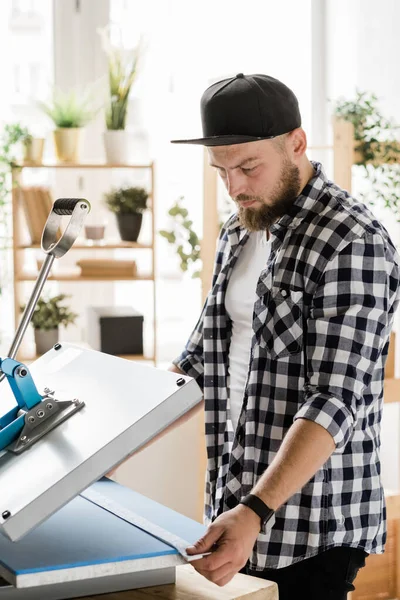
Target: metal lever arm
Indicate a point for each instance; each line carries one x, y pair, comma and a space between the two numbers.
78, 208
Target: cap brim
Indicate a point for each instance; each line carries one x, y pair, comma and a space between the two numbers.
223, 140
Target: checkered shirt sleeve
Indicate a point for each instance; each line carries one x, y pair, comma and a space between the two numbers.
346, 331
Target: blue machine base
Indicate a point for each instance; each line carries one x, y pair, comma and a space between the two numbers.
83, 534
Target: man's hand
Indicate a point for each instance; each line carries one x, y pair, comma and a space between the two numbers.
230, 538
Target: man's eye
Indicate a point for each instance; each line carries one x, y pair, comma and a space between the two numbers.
248, 170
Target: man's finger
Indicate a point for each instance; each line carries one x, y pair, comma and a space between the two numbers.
219, 574
221, 556
205, 543
225, 580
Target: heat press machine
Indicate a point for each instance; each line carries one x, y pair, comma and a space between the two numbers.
66, 531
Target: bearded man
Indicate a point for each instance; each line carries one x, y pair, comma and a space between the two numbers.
290, 350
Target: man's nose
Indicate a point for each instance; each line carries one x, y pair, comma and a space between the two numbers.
235, 184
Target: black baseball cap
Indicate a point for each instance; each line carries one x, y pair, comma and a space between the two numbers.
246, 108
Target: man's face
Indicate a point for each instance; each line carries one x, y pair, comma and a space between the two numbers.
260, 178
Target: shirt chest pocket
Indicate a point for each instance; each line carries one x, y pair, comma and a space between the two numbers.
282, 333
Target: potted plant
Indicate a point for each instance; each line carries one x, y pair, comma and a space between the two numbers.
184, 238
12, 135
46, 318
33, 149
128, 204
70, 112
122, 71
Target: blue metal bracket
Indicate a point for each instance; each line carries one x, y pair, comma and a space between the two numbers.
34, 415
21, 383
26, 395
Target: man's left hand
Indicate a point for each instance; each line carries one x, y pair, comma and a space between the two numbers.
230, 539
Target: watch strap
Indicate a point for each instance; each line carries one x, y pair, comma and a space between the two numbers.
259, 507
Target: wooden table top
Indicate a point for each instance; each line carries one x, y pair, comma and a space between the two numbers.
190, 585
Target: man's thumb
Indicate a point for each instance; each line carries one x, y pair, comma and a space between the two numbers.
205, 543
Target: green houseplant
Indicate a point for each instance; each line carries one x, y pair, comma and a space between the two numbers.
48, 315
70, 112
377, 148
184, 239
33, 149
122, 71
128, 204
11, 137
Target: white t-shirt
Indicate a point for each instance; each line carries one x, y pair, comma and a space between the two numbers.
239, 303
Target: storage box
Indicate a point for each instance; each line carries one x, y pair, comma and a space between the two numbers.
115, 330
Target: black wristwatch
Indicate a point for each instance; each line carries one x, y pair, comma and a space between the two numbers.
259, 507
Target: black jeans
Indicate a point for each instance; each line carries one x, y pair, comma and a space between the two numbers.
326, 576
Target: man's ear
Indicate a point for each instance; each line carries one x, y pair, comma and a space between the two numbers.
297, 143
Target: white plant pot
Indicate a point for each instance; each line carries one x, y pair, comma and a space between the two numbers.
116, 145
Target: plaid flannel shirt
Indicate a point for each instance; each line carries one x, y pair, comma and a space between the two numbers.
324, 307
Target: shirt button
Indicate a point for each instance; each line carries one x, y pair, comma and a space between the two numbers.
284, 293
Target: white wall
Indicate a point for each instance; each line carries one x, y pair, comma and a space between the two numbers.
363, 49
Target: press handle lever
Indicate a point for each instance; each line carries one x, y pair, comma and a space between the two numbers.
77, 209
65, 206
54, 247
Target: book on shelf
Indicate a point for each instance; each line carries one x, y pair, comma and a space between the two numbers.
37, 203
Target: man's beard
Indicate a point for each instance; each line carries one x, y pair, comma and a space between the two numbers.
282, 199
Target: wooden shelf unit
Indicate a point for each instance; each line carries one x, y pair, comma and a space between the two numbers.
18, 248
345, 156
